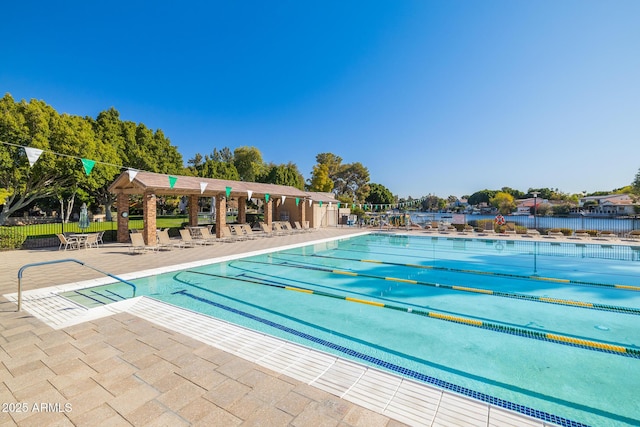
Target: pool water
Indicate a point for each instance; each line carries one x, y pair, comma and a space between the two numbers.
552, 327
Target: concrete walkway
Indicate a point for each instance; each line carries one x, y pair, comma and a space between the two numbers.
124, 370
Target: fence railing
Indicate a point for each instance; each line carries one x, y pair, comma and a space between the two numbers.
44, 234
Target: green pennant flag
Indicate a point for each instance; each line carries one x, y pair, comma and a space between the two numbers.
88, 165
266, 198
172, 181
353, 206
228, 190
297, 201
320, 203
338, 205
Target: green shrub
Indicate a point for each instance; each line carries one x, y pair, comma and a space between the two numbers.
10, 239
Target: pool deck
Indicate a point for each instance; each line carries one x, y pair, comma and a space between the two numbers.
133, 368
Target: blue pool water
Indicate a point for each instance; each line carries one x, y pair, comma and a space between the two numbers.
546, 326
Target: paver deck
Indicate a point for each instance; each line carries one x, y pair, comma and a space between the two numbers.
135, 367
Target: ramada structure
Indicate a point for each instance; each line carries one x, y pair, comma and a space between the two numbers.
319, 209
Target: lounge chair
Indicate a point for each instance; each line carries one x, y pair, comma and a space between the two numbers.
268, 231
488, 229
278, 230
138, 244
248, 231
510, 228
237, 232
206, 235
298, 227
68, 242
189, 240
286, 226
634, 234
581, 233
467, 229
531, 232
228, 235
553, 233
605, 234
165, 242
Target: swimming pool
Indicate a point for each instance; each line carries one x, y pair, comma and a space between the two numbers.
543, 325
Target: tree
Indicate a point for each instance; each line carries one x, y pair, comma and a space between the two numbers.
320, 180
248, 162
352, 182
379, 195
28, 124
217, 165
635, 185
333, 163
482, 196
284, 175
504, 202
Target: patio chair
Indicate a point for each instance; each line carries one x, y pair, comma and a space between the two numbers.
91, 241
100, 235
68, 242
138, 244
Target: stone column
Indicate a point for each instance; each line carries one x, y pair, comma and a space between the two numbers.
149, 212
193, 210
122, 205
242, 210
221, 214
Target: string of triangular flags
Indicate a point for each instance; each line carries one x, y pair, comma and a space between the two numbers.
33, 154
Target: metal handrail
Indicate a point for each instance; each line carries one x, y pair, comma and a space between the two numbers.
24, 267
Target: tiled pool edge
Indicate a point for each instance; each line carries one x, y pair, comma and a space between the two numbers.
403, 399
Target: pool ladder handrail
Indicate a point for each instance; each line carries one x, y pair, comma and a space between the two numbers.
24, 267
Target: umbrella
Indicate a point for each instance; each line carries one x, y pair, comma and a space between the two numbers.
84, 217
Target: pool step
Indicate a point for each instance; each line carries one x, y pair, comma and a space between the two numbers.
91, 298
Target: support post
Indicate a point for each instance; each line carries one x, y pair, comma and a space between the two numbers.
149, 212
221, 214
122, 204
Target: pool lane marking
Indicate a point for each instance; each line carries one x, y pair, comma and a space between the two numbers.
512, 295
496, 327
486, 273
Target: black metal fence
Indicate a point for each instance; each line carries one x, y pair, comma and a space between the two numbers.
45, 235
619, 226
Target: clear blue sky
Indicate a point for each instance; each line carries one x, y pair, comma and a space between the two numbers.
443, 97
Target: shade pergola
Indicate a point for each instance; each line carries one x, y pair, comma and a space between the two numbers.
149, 185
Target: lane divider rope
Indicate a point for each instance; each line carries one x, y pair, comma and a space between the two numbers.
496, 327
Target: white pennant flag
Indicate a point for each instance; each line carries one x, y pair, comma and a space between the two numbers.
203, 185
310, 202
33, 154
249, 194
283, 198
329, 204
132, 174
